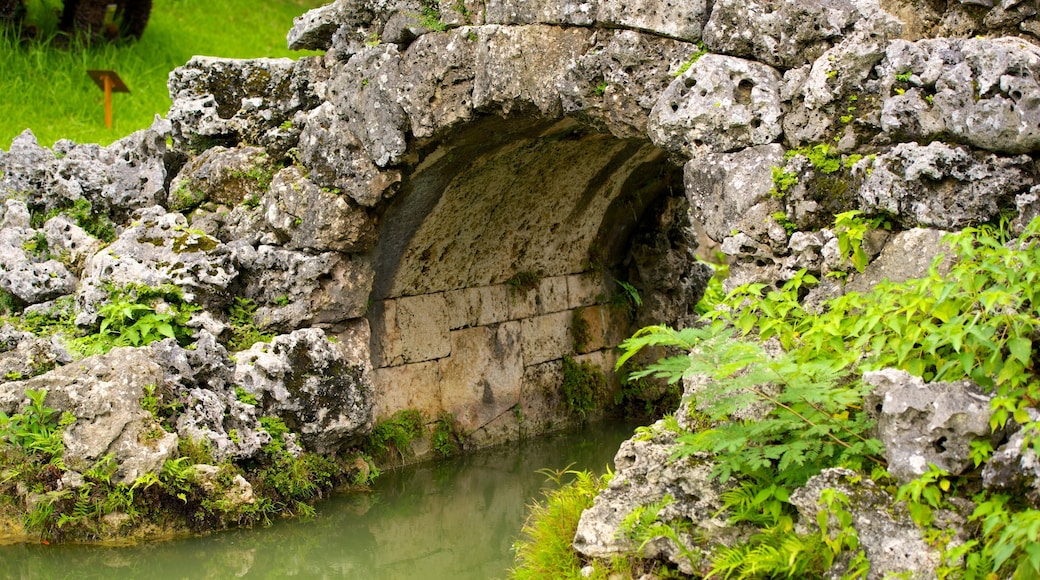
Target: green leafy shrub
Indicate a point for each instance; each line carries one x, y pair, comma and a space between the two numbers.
138, 315
776, 419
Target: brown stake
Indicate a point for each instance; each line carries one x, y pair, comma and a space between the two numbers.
109, 82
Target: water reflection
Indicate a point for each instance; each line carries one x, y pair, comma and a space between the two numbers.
450, 519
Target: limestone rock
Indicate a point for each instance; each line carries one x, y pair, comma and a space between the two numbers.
337, 161
644, 475
906, 255
159, 249
893, 543
322, 389
721, 103
785, 34
224, 101
27, 269
70, 242
732, 192
518, 68
682, 20
23, 166
125, 176
439, 72
568, 13
104, 394
921, 424
940, 186
364, 92
23, 355
221, 175
307, 217
615, 84
1015, 467
313, 29
981, 91
296, 289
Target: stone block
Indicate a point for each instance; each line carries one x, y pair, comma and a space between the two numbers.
481, 380
600, 327
458, 309
552, 292
585, 289
547, 337
541, 407
410, 330
415, 386
490, 305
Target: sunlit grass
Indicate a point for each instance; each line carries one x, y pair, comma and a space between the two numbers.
46, 88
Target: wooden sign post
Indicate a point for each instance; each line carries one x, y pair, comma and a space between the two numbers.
109, 82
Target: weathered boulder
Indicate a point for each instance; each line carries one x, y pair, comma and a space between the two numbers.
721, 103
104, 393
221, 175
981, 91
24, 355
923, 424
70, 242
940, 186
645, 475
306, 217
23, 167
732, 193
158, 249
337, 161
893, 543
297, 289
28, 270
322, 389
224, 101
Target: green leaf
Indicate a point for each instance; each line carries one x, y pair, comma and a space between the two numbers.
1021, 348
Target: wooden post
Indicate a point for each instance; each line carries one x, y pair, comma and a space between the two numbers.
109, 82
108, 101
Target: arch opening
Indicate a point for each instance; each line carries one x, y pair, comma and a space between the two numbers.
499, 258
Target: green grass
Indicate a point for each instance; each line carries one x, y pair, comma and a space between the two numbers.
46, 89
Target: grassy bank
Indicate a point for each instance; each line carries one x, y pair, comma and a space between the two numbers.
46, 89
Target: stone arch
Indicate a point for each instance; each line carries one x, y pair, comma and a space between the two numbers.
504, 233
509, 175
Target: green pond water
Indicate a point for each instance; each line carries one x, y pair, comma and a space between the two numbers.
452, 519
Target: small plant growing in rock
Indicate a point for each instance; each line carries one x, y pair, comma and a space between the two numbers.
525, 281
584, 386
850, 229
444, 440
244, 331
783, 180
137, 315
394, 435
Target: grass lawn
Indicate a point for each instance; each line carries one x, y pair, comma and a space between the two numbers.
46, 89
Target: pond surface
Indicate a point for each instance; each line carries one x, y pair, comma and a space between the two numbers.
452, 519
